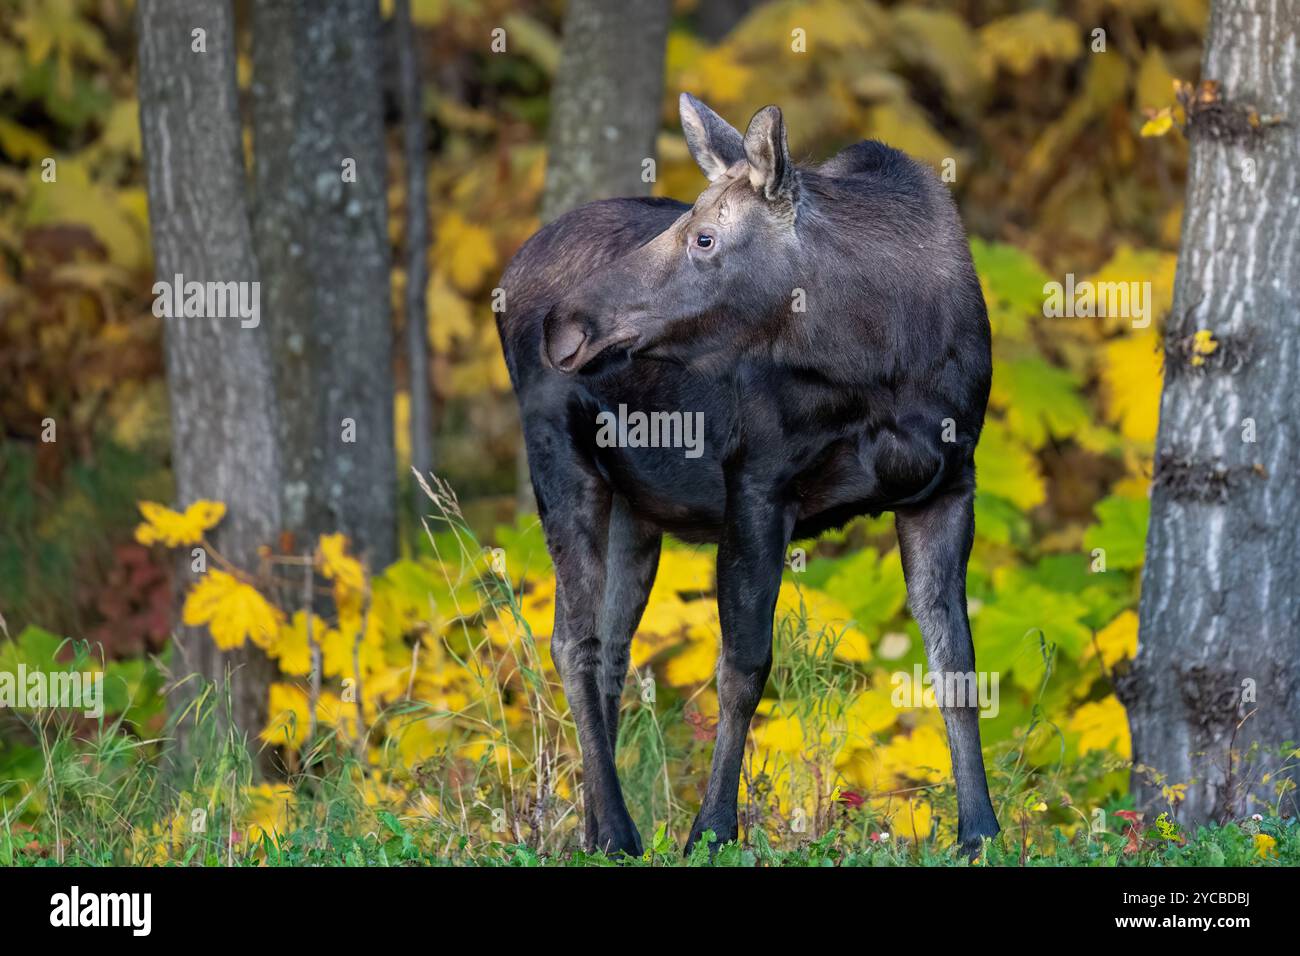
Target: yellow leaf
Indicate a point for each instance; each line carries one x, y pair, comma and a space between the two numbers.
1019, 41
871, 712
673, 616
1118, 639
21, 143
232, 610
420, 739
402, 428
694, 664
287, 714
721, 77
450, 318
163, 526
1102, 726
682, 570
822, 612
905, 126
467, 249
1154, 80
1136, 268
269, 809
1130, 380
1158, 125
922, 755
864, 769
342, 653
781, 733
292, 649
914, 821
1265, 845
109, 212
1203, 344
334, 562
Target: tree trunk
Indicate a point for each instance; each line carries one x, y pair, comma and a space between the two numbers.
606, 102
414, 148
322, 242
223, 412
1218, 665
605, 109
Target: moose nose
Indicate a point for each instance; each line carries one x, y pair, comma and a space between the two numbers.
564, 347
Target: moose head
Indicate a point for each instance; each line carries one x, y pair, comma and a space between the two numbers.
722, 268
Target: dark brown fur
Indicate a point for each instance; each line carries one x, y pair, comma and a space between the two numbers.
870, 399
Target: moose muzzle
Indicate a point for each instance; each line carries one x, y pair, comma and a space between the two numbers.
570, 341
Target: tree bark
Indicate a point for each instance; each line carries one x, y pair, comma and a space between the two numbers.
322, 241
417, 241
605, 109
606, 102
1218, 664
219, 380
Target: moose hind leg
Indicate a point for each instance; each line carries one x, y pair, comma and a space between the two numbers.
934, 541
630, 566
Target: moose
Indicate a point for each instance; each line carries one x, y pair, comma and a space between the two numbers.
828, 323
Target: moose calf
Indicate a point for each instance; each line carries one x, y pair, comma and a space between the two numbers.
828, 323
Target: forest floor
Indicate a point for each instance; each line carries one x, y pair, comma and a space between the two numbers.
76, 832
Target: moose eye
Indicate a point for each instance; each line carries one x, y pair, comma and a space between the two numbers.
704, 241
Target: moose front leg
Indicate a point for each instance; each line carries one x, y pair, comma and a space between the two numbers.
575, 509
934, 541
751, 555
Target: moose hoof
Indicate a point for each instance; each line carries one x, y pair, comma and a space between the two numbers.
618, 837
724, 830
971, 842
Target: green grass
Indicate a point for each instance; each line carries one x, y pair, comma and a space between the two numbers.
112, 799
402, 843
114, 794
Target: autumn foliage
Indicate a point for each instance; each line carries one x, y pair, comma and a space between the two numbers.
431, 679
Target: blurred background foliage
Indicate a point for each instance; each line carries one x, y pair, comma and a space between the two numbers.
1052, 176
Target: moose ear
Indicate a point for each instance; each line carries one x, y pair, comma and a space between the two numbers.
713, 141
770, 169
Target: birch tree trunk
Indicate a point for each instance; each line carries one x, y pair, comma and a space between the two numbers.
605, 108
1218, 664
223, 411
322, 241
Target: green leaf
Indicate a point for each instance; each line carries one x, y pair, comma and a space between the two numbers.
1121, 531
998, 520
1104, 595
1007, 631
661, 844
525, 547
1040, 400
1004, 467
1013, 287
871, 585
